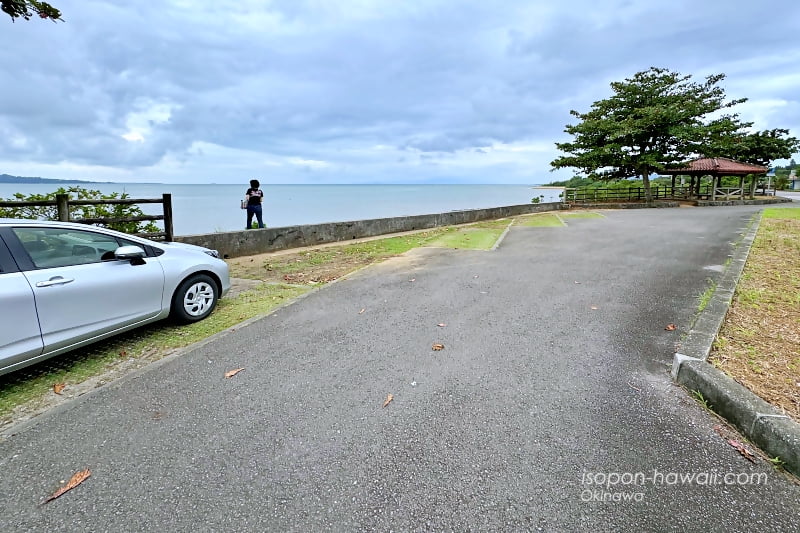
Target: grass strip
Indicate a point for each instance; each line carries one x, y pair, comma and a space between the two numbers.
758, 342
547, 220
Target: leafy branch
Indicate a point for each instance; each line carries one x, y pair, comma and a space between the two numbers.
27, 9
77, 212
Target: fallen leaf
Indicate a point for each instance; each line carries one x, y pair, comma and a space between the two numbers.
437, 347
412, 279
474, 277
123, 353
441, 325
389, 398
594, 307
231, 373
362, 311
577, 283
670, 327
58, 387
747, 454
76, 479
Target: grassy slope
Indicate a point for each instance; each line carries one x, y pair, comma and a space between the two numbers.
759, 343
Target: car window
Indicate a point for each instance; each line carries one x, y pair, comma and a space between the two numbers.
56, 247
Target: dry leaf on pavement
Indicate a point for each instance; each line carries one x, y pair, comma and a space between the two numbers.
437, 347
231, 373
670, 327
76, 479
389, 398
441, 325
58, 387
594, 307
362, 311
747, 454
412, 279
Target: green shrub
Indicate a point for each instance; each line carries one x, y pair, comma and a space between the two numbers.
77, 212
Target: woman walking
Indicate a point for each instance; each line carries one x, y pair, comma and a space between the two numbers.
254, 196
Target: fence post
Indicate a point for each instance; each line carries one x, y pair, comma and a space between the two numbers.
166, 201
62, 207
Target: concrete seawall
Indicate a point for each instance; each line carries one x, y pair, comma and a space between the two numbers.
250, 242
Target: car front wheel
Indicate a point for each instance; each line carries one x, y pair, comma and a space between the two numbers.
194, 300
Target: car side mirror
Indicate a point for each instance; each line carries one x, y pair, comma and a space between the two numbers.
129, 252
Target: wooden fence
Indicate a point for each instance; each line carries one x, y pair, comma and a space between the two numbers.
632, 194
63, 202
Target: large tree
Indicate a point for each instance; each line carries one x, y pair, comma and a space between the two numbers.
28, 8
653, 120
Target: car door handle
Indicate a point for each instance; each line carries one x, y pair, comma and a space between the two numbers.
57, 280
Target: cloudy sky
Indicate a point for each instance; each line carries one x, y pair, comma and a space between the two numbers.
359, 91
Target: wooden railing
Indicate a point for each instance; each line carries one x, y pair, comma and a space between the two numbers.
632, 193
727, 192
63, 202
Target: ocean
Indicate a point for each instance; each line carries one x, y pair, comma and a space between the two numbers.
212, 208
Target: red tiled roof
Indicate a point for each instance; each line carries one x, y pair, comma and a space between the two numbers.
717, 165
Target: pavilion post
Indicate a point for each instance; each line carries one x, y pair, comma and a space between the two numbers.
741, 187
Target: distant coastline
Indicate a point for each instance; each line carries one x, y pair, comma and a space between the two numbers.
6, 178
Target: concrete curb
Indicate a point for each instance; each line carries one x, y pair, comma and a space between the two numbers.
767, 427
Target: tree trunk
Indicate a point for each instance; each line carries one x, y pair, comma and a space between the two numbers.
648, 194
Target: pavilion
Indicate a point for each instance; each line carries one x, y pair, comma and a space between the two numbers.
716, 167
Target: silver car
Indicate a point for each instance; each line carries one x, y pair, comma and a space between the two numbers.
64, 285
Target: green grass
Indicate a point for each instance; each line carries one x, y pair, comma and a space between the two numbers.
147, 344
468, 238
478, 236
705, 297
548, 220
374, 250
698, 396
784, 213
581, 214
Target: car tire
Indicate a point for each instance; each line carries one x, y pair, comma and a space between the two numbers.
194, 299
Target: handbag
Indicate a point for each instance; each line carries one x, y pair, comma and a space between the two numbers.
243, 204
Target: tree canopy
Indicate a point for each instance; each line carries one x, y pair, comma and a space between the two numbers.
657, 119
759, 148
29, 8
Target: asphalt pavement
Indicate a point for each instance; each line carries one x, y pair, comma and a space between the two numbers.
550, 408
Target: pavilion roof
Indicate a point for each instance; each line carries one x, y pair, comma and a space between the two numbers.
716, 166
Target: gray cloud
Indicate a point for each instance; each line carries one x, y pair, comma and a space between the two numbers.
373, 90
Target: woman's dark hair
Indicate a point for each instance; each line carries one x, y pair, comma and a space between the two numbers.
254, 184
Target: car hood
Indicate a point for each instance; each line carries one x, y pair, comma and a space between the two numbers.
185, 246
